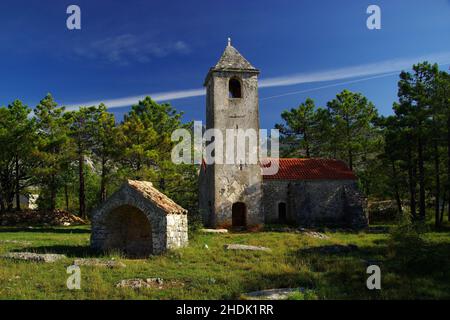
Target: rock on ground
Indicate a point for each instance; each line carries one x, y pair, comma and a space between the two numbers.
271, 294
20, 242
35, 257
155, 283
245, 247
316, 235
214, 230
99, 263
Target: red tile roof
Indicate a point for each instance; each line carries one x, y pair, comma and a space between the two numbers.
309, 169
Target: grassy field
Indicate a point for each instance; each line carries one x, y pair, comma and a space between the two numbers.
412, 270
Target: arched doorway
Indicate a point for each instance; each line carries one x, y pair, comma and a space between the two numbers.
239, 214
282, 212
129, 231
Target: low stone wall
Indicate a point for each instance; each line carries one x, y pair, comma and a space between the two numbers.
334, 203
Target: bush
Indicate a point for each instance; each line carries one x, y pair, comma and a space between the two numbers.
382, 211
305, 295
407, 249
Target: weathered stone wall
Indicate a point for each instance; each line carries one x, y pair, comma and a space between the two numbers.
206, 195
336, 203
275, 191
177, 231
106, 221
226, 184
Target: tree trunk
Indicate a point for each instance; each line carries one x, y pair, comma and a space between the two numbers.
396, 191
2, 204
412, 184
162, 184
350, 158
82, 196
9, 205
448, 164
53, 193
103, 182
305, 138
66, 196
444, 200
349, 139
17, 184
437, 193
421, 179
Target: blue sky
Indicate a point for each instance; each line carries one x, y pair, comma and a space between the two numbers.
128, 49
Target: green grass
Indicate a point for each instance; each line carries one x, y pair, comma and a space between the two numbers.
214, 273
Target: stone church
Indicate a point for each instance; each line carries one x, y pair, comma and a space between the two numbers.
306, 192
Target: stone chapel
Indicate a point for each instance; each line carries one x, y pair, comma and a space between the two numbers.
307, 192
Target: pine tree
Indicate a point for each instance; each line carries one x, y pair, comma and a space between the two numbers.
53, 149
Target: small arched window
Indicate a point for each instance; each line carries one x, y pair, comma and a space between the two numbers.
282, 212
234, 88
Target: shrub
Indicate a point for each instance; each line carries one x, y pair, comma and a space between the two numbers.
407, 249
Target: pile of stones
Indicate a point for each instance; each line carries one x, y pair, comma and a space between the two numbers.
37, 217
34, 257
149, 283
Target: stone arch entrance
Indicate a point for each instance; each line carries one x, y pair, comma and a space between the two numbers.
239, 214
139, 220
130, 231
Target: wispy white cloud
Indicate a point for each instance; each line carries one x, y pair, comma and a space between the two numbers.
386, 66
128, 101
128, 48
366, 70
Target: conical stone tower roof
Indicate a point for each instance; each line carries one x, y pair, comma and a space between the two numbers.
232, 60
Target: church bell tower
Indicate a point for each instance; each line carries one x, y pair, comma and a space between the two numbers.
231, 194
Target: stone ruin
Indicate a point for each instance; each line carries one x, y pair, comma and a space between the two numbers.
139, 221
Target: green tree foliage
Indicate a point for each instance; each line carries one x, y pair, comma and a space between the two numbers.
78, 158
17, 138
105, 147
145, 143
352, 117
345, 130
404, 157
298, 127
82, 125
417, 140
53, 150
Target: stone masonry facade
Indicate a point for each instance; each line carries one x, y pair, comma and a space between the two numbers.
226, 184
307, 192
313, 203
139, 220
